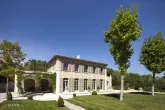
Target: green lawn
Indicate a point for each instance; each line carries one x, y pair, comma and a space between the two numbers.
30, 105
131, 102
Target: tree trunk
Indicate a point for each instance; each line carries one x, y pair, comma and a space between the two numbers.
153, 83
122, 86
7, 83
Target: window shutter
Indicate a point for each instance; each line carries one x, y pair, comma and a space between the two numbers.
103, 71
62, 64
97, 70
88, 69
82, 69
91, 69
68, 67
73, 67
79, 68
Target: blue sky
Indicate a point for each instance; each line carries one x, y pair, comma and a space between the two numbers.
45, 28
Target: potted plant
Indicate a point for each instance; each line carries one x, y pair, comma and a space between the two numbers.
89, 89
98, 88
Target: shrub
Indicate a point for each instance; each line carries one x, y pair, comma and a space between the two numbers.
88, 88
74, 95
60, 102
98, 88
94, 93
9, 96
30, 97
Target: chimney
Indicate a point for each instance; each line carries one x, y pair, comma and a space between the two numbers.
78, 56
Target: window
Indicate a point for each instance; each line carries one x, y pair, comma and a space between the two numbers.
101, 84
94, 69
65, 84
101, 70
93, 84
76, 84
85, 84
85, 68
65, 66
76, 67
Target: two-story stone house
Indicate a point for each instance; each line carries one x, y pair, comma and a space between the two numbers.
75, 74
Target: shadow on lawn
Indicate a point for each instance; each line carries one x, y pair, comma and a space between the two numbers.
142, 93
113, 95
118, 95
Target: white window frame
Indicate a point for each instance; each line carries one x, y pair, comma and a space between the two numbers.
76, 82
93, 84
65, 84
65, 68
75, 67
101, 84
85, 84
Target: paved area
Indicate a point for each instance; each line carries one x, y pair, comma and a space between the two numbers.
72, 106
2, 97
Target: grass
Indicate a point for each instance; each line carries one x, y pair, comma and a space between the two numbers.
30, 105
111, 102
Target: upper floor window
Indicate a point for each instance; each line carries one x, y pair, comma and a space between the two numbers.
101, 70
65, 66
76, 67
85, 68
94, 69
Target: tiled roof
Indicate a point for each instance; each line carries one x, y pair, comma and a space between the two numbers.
75, 59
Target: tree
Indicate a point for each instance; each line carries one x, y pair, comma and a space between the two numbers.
153, 55
11, 58
164, 76
36, 65
123, 30
109, 71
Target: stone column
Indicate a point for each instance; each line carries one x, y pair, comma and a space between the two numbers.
57, 82
57, 70
105, 79
15, 84
110, 81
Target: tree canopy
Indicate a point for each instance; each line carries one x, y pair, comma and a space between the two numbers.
122, 31
11, 57
36, 65
153, 53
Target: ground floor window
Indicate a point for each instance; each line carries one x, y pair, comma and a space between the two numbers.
101, 84
76, 84
85, 84
65, 84
93, 84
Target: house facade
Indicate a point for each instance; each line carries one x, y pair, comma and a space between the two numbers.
78, 75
